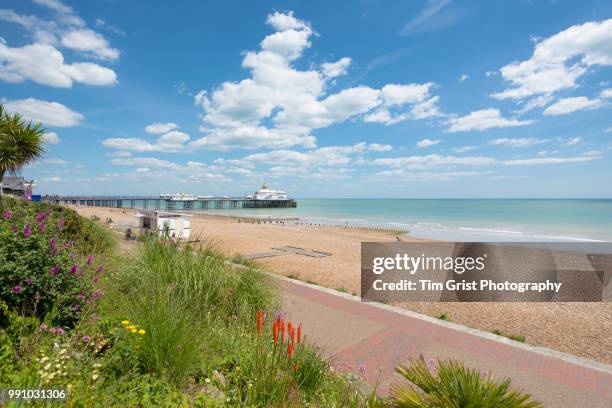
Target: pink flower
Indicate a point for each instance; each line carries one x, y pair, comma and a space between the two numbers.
42, 227
60, 331
89, 259
362, 370
75, 308
54, 270
60, 224
29, 281
100, 269
41, 216
74, 269
8, 214
43, 327
27, 231
431, 364
86, 339
16, 289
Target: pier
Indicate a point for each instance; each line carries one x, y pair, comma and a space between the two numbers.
168, 204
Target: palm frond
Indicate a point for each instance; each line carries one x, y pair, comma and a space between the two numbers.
21, 142
453, 385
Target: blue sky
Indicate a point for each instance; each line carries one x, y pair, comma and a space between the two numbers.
434, 98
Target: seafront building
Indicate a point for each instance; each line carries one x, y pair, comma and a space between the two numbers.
17, 186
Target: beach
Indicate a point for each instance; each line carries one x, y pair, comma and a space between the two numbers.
578, 328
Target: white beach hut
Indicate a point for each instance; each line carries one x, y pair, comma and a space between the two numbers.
161, 222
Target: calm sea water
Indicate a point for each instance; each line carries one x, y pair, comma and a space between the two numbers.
461, 220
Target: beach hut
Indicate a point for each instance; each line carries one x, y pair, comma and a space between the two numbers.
162, 223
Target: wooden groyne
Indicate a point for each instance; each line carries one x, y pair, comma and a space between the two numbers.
300, 222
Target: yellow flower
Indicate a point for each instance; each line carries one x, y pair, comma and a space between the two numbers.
134, 330
125, 322
131, 327
141, 331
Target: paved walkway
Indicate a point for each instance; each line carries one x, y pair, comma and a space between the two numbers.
380, 336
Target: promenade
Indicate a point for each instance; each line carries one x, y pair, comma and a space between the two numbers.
379, 337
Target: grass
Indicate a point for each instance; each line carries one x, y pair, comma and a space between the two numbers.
515, 337
184, 298
444, 316
199, 312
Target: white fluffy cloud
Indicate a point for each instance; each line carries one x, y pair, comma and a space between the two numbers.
335, 69
144, 162
171, 141
89, 41
51, 138
323, 156
606, 93
396, 97
279, 106
517, 142
43, 62
569, 105
482, 120
47, 113
427, 143
160, 128
376, 147
558, 61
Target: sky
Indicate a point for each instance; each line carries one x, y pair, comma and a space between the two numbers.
414, 99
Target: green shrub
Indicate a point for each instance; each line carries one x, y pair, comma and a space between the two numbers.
450, 384
46, 267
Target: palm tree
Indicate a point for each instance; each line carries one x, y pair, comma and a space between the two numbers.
21, 143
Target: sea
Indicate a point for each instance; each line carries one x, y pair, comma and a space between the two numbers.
491, 220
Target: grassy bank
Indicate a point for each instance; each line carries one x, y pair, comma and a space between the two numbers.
171, 326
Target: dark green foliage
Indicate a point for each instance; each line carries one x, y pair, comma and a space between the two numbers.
450, 384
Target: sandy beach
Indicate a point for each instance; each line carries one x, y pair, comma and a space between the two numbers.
577, 328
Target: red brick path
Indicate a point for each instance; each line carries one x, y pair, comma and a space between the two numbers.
355, 333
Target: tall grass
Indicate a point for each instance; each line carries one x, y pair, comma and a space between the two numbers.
185, 299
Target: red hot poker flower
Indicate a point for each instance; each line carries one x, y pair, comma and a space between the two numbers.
275, 332
290, 350
292, 335
299, 334
259, 321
